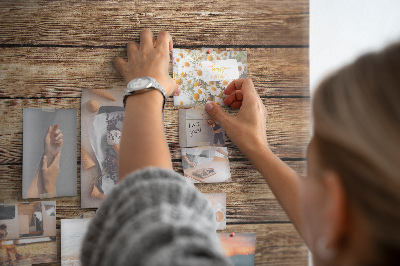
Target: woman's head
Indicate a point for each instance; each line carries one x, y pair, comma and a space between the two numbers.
356, 115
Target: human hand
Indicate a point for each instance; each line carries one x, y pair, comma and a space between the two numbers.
50, 174
192, 164
53, 142
149, 59
247, 128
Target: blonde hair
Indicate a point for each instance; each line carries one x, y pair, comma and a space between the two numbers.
357, 133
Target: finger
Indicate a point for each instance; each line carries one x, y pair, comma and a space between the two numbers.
233, 86
235, 96
132, 48
236, 105
58, 131
59, 136
44, 163
218, 113
60, 142
177, 92
164, 41
55, 127
146, 40
120, 64
48, 131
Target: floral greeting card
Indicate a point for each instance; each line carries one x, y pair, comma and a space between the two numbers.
204, 74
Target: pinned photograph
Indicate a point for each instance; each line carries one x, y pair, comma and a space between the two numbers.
206, 164
49, 153
72, 234
239, 247
28, 233
197, 128
204, 74
101, 124
218, 201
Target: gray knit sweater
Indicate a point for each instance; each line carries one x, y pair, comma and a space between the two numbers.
153, 217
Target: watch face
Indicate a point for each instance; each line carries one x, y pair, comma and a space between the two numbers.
140, 83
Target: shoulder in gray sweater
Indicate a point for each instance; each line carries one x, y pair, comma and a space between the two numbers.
153, 217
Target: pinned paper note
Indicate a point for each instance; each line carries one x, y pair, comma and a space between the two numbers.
219, 70
203, 76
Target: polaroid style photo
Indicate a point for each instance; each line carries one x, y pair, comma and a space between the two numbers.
206, 164
240, 248
204, 74
49, 153
197, 128
28, 233
72, 234
102, 114
218, 201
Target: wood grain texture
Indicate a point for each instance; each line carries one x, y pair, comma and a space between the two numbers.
63, 72
249, 198
287, 126
111, 23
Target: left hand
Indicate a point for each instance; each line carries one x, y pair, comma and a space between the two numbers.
149, 59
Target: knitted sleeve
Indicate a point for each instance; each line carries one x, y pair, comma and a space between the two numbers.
153, 217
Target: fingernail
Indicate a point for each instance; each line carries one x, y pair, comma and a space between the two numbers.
44, 157
179, 90
209, 106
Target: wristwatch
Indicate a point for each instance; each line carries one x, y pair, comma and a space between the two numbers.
142, 85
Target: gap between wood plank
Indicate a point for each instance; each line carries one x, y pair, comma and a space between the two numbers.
28, 45
261, 96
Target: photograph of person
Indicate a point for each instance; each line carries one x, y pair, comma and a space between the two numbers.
28, 233
216, 129
197, 129
206, 164
49, 153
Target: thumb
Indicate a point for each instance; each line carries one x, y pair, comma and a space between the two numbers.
218, 113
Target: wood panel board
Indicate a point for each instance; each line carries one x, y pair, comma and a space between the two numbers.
41, 72
99, 23
287, 126
249, 198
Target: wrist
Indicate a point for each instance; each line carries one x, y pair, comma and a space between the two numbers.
50, 188
149, 100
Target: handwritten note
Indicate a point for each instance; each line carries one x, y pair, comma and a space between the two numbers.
219, 70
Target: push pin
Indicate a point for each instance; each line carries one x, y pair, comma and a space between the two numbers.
209, 51
232, 234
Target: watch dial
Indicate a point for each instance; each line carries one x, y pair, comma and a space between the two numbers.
140, 83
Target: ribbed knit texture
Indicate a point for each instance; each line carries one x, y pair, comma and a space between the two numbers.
153, 217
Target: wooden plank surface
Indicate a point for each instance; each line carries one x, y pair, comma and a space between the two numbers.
249, 198
99, 23
51, 50
32, 72
287, 126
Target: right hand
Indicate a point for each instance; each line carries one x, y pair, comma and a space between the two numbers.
192, 164
247, 128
